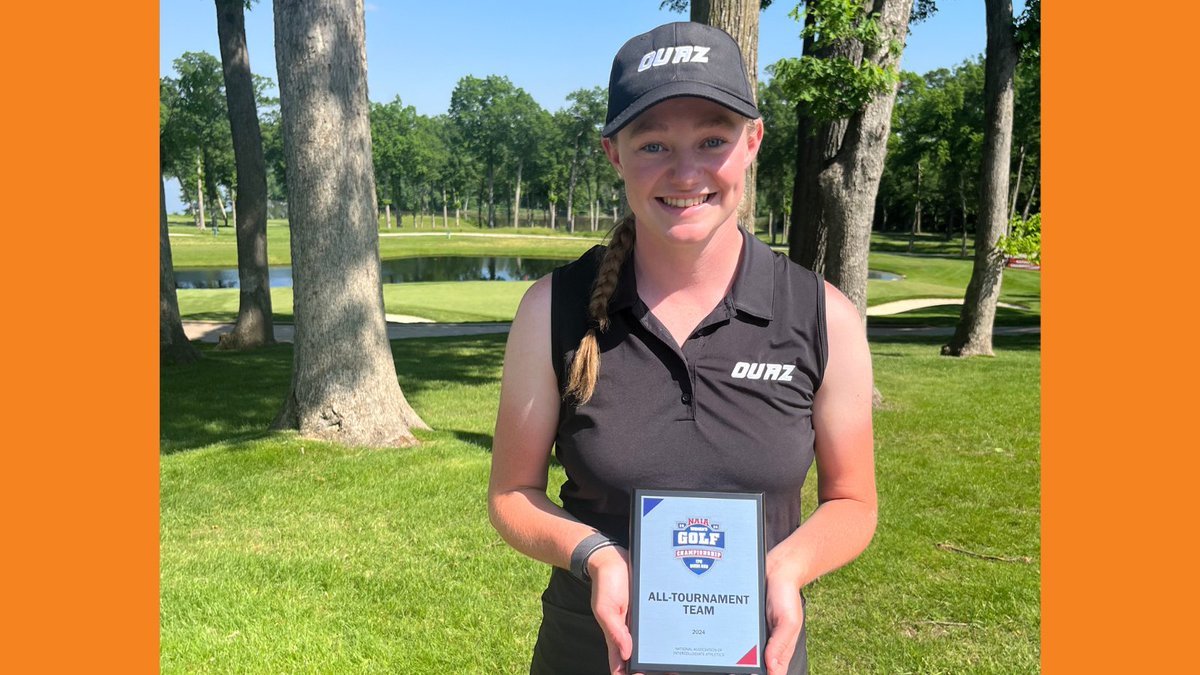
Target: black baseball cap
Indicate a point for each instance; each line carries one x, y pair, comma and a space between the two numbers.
673, 60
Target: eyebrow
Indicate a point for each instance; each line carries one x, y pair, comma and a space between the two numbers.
644, 125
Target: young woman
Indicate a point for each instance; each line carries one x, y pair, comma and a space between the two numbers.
685, 354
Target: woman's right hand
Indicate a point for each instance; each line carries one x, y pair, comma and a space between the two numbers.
609, 570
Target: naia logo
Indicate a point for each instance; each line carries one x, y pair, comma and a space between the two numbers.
779, 372
682, 54
698, 544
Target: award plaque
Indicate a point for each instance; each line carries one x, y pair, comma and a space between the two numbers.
698, 582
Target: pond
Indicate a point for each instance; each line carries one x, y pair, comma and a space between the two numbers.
403, 270
395, 271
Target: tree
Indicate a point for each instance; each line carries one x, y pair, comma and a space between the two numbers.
973, 335
478, 110
739, 18
582, 123
344, 385
845, 85
254, 326
777, 155
173, 345
174, 147
204, 118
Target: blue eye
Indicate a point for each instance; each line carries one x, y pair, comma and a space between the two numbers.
713, 143
652, 147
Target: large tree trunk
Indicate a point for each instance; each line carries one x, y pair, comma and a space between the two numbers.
344, 385
739, 18
807, 236
973, 336
173, 345
847, 157
254, 326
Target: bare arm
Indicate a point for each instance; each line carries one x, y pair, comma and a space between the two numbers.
517, 503
844, 521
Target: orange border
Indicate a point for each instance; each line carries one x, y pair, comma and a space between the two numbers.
80, 489
80, 493
1120, 374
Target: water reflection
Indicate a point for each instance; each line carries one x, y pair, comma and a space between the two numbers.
394, 271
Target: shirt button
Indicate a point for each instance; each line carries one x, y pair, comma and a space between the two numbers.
686, 398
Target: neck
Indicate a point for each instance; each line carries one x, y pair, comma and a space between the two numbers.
702, 271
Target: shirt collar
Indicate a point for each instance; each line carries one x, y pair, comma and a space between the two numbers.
753, 290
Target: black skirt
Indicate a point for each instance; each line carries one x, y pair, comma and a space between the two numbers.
570, 641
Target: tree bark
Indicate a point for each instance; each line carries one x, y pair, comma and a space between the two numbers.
739, 18
254, 326
847, 157
973, 335
344, 385
173, 345
807, 235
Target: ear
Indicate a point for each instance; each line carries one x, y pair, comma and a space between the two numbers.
614, 157
754, 136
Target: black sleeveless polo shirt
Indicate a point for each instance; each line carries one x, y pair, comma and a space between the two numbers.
730, 410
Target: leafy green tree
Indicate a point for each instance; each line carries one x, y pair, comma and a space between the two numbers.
344, 386
845, 86
392, 141
254, 326
581, 123
777, 156
478, 111
205, 117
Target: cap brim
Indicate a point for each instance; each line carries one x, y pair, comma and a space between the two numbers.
676, 90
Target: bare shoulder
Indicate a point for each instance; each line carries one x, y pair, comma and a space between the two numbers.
533, 313
841, 316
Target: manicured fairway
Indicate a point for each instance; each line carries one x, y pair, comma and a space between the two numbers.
285, 555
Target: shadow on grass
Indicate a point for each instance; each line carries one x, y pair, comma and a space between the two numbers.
226, 396
233, 397
948, 315
431, 363
1021, 343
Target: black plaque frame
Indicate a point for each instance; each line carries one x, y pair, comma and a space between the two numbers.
635, 526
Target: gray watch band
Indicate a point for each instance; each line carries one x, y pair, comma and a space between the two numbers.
584, 550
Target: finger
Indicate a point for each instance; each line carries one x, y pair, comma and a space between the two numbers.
781, 647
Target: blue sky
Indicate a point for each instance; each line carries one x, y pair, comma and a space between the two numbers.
419, 50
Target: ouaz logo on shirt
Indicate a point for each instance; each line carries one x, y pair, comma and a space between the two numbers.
698, 543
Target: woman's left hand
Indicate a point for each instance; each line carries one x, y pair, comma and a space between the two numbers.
785, 617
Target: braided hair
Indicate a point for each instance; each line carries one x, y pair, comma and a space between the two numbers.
586, 364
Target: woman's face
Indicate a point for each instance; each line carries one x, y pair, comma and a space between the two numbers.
683, 162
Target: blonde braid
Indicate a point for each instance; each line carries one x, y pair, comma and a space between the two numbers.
586, 364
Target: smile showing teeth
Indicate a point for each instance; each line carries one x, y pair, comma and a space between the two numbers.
684, 203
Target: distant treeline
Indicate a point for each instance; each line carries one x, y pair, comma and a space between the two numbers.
497, 148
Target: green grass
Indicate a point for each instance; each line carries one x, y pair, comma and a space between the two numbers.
924, 277
280, 554
444, 301
191, 248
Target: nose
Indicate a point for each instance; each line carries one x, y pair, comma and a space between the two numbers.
686, 168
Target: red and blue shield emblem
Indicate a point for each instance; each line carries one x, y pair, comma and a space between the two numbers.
698, 543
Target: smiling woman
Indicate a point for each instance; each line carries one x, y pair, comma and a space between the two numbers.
631, 362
